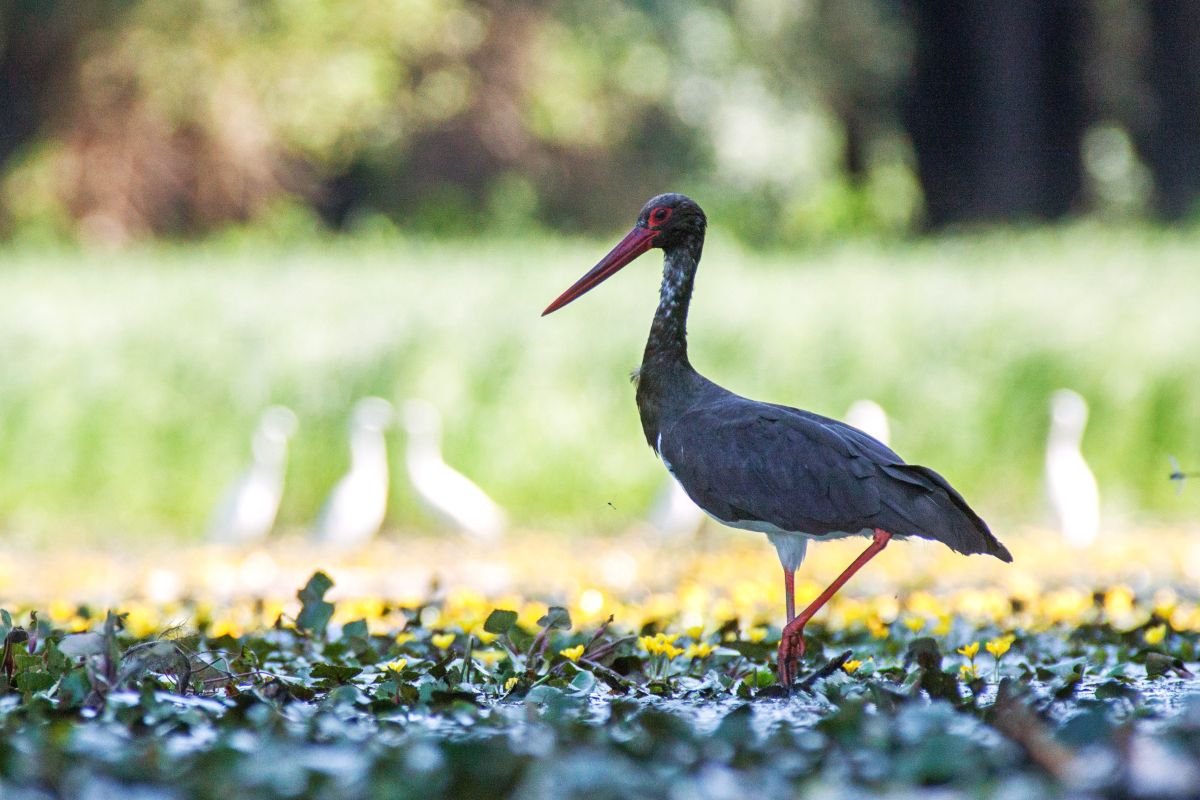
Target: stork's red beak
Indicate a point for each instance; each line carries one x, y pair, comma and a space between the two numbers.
636, 242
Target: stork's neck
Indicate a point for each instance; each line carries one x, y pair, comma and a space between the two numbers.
666, 377
668, 332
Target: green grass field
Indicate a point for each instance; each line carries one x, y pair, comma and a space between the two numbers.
132, 380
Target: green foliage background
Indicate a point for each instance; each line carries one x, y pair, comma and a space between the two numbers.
154, 118
132, 382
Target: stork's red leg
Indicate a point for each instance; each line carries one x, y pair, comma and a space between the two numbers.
789, 592
791, 644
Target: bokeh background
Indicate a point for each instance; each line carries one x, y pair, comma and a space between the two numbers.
951, 208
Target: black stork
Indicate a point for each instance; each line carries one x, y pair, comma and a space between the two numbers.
791, 474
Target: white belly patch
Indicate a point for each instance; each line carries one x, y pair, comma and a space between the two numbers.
791, 545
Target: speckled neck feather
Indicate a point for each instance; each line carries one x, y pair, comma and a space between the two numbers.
666, 372
668, 332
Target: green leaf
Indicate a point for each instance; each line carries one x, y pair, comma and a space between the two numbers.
1160, 664
500, 621
583, 682
74, 688
556, 618
335, 673
35, 681
925, 652
315, 613
940, 685
759, 651
355, 630
542, 694
57, 662
27, 662
761, 678
1113, 689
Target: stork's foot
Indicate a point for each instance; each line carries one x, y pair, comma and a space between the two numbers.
791, 650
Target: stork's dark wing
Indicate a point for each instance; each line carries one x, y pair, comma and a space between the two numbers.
745, 461
751, 461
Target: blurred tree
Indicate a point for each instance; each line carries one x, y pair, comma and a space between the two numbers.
175, 118
132, 118
996, 108
36, 39
1171, 140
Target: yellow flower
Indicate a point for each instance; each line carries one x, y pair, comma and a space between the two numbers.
943, 625
1165, 601
61, 610
396, 666
510, 683
1186, 617
368, 608
695, 632
141, 621
924, 604
1119, 601
489, 657
671, 651
698, 650
967, 672
1155, 635
998, 647
659, 643
970, 651
271, 611
482, 636
852, 665
650, 644
914, 624
404, 637
756, 634
442, 640
224, 626
877, 627
571, 653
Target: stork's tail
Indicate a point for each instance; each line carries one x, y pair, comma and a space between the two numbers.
941, 513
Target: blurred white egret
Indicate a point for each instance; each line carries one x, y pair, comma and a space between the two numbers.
1070, 483
673, 513
870, 418
444, 492
247, 510
355, 509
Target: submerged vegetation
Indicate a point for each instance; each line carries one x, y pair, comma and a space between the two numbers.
1031, 681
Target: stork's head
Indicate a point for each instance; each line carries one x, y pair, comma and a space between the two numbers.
666, 221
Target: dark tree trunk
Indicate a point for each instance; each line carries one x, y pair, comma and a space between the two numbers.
995, 110
1171, 145
32, 37
854, 148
